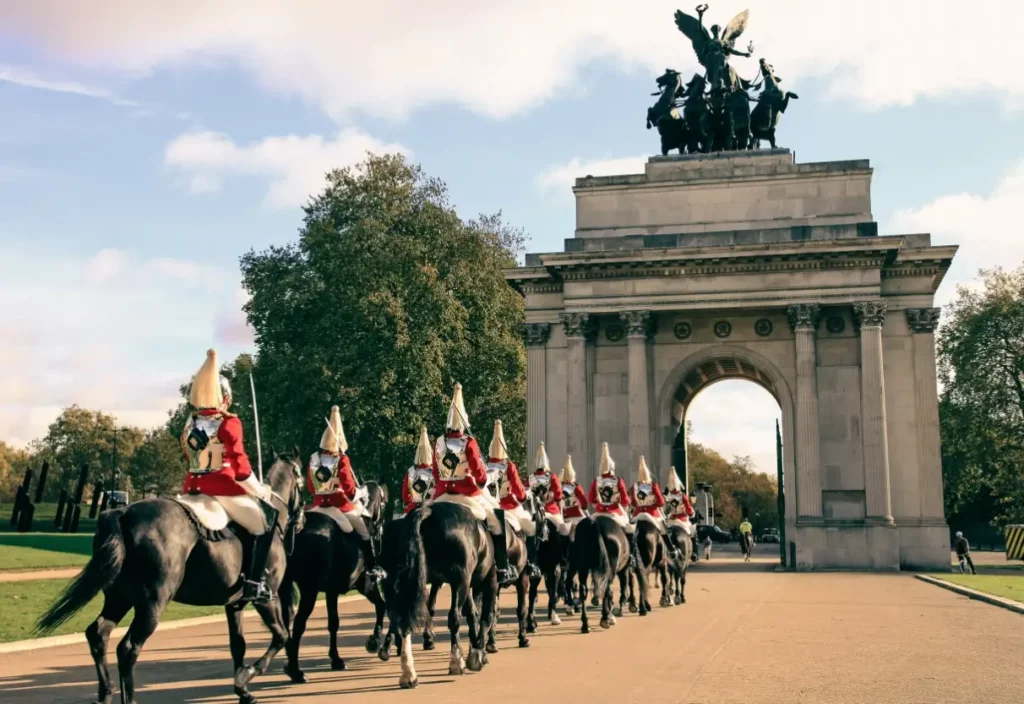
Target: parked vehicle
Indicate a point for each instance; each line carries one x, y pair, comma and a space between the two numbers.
118, 499
770, 536
717, 534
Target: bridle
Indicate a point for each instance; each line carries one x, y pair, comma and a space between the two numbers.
293, 508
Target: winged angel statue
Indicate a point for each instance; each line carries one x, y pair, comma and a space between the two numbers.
713, 49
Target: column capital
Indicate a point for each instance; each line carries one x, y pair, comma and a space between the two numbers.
803, 316
639, 323
923, 319
869, 313
577, 324
535, 334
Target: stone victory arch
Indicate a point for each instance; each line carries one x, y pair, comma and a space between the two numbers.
749, 265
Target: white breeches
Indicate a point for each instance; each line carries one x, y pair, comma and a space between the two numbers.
620, 519
522, 516
253, 487
559, 523
685, 525
658, 522
215, 512
355, 517
480, 507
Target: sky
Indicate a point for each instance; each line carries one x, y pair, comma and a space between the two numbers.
144, 147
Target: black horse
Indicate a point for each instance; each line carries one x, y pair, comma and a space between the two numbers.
441, 544
747, 545
517, 558
600, 551
151, 553
326, 559
552, 558
652, 555
677, 565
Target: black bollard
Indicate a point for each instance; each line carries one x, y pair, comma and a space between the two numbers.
79, 490
106, 498
27, 515
96, 491
75, 515
41, 486
61, 503
17, 507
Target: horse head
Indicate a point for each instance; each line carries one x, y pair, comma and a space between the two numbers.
285, 480
768, 72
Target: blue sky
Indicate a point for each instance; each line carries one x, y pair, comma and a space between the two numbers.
143, 150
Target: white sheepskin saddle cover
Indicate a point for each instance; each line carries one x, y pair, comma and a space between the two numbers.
685, 525
215, 512
649, 518
473, 503
335, 514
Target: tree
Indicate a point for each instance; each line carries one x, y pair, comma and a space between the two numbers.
981, 412
738, 489
157, 468
387, 299
13, 463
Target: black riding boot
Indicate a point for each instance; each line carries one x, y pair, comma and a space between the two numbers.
507, 573
375, 574
532, 547
256, 589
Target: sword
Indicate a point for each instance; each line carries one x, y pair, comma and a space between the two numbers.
256, 422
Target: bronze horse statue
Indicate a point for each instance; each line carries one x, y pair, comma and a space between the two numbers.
664, 115
770, 105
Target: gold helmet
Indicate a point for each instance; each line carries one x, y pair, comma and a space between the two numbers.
333, 440
541, 462
209, 389
458, 419
643, 475
607, 463
497, 450
424, 452
568, 473
673, 481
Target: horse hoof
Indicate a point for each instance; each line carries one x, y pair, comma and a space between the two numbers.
617, 612
428, 644
568, 611
372, 644
593, 602
493, 647
682, 599
665, 602
555, 621
605, 623
457, 667
531, 627
632, 608
409, 684
576, 609
296, 675
524, 642
337, 664
476, 660
643, 612
242, 699
243, 676
611, 620
384, 654
585, 629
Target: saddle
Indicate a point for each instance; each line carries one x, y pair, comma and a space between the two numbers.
335, 514
214, 513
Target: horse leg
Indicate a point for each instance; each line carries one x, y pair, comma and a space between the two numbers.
373, 642
147, 616
626, 581
642, 586
98, 635
585, 620
384, 653
236, 634
531, 615
409, 679
522, 587
551, 584
481, 623
456, 663
274, 621
428, 627
682, 587
307, 601
492, 643
666, 584
332, 629
607, 613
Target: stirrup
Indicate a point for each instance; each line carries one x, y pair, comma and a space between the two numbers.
508, 575
257, 592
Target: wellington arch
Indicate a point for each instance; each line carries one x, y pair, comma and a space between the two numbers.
750, 265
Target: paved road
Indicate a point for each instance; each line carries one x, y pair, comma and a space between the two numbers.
746, 635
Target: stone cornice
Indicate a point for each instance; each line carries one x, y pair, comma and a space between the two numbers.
923, 319
535, 334
804, 316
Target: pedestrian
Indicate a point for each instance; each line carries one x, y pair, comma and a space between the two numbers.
707, 547
963, 551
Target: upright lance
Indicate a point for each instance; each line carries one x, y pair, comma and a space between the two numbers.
256, 422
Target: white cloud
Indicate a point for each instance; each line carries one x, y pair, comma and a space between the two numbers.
561, 177
392, 57
986, 227
736, 418
28, 78
295, 165
113, 331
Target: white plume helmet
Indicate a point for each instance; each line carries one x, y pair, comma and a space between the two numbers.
568, 473
673, 481
643, 475
207, 390
424, 452
458, 419
333, 439
607, 465
497, 449
541, 462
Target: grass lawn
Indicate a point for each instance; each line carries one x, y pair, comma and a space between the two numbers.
43, 519
21, 603
28, 551
1006, 586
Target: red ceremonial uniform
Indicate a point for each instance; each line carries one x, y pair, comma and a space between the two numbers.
577, 511
554, 504
476, 476
408, 498
685, 509
609, 508
234, 467
516, 491
650, 510
341, 498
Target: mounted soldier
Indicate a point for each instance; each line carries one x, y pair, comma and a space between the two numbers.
506, 487
220, 468
574, 499
418, 482
460, 475
608, 493
544, 485
330, 479
678, 505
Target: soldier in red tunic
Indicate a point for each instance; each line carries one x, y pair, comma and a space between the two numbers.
418, 482
330, 479
677, 503
460, 475
647, 501
219, 468
574, 500
505, 487
609, 497
544, 485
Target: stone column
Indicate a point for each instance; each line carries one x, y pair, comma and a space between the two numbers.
922, 323
535, 335
638, 332
578, 329
868, 318
803, 321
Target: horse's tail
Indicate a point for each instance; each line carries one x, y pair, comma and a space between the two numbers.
409, 592
100, 572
